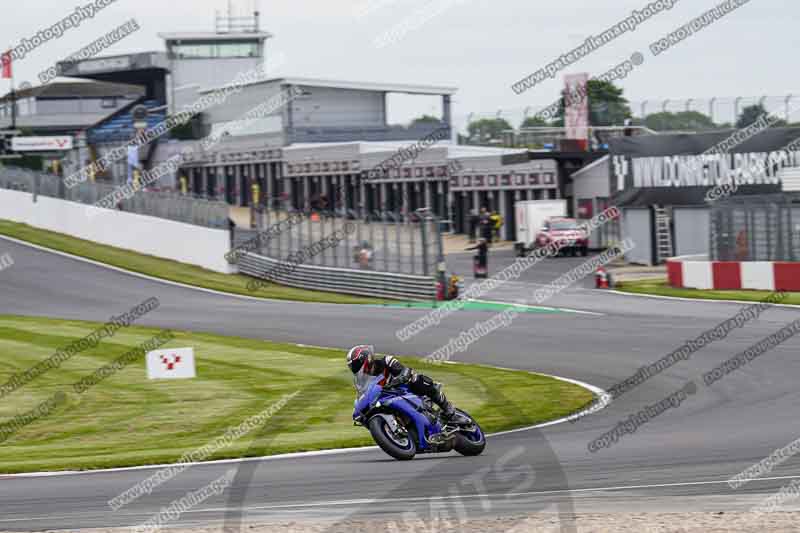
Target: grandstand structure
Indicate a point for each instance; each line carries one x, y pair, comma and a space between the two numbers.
119, 126
67, 108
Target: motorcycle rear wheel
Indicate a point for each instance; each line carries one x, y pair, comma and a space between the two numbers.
402, 449
470, 443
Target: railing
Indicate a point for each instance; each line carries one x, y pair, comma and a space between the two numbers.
168, 205
379, 255
551, 137
696, 113
381, 241
756, 228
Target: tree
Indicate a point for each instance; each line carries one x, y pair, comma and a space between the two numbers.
751, 114
683, 120
190, 130
533, 122
487, 129
607, 106
425, 119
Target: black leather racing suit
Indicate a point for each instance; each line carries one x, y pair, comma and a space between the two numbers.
395, 373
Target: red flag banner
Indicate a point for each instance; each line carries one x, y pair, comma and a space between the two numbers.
6, 59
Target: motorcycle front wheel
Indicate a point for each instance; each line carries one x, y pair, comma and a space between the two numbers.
470, 441
400, 446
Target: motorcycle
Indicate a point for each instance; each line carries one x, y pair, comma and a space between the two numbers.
403, 424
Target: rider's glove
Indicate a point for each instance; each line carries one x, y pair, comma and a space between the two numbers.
403, 377
406, 375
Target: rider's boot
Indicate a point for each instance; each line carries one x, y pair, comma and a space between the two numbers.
448, 412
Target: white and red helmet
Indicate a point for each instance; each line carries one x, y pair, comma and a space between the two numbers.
358, 356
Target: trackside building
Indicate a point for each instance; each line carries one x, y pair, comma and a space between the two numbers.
671, 186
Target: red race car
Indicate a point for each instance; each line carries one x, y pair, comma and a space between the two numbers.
559, 229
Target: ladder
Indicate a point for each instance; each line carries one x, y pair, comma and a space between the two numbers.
663, 235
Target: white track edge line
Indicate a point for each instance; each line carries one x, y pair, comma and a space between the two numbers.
486, 495
146, 276
704, 300
564, 309
336, 503
605, 400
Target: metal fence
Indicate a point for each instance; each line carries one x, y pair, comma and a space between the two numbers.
756, 228
607, 235
380, 242
168, 205
721, 110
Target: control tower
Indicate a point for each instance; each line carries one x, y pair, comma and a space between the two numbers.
202, 59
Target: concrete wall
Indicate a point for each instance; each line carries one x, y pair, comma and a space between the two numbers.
590, 184
321, 107
330, 107
330, 152
593, 183
180, 242
691, 230
230, 113
203, 74
637, 225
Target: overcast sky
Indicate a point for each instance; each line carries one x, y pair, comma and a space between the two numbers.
479, 46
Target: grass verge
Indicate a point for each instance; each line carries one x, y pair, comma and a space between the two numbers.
128, 420
169, 269
662, 288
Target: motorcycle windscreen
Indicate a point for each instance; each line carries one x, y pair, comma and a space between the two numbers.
362, 381
367, 390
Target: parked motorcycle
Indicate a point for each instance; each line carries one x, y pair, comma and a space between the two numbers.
403, 424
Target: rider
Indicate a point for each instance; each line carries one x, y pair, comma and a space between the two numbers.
363, 358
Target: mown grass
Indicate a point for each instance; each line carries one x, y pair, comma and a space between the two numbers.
662, 288
128, 420
169, 269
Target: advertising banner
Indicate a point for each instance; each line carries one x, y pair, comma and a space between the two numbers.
685, 161
576, 112
41, 144
175, 363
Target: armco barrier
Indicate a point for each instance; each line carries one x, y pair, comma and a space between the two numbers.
691, 273
360, 282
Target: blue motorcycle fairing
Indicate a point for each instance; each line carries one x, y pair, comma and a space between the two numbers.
399, 399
